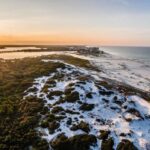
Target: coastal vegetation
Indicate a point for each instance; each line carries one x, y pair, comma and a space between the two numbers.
52, 93
19, 117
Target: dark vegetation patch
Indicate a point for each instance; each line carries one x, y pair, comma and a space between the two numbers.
77, 142
54, 93
107, 144
81, 82
106, 93
86, 107
51, 83
18, 122
50, 118
57, 109
82, 126
105, 100
84, 78
126, 145
45, 88
123, 88
69, 90
129, 90
118, 101
69, 121
105, 84
104, 134
72, 97
53, 126
89, 95
33, 90
58, 76
72, 112
134, 112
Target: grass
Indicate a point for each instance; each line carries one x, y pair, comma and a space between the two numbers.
71, 60
18, 117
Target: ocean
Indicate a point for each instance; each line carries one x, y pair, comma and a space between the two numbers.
128, 52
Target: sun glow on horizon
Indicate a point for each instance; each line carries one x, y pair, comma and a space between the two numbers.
98, 22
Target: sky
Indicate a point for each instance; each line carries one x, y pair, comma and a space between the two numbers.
89, 22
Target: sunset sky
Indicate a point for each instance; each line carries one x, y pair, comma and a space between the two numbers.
91, 22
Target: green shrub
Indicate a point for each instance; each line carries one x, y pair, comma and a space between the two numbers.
86, 107
126, 145
107, 144
72, 97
